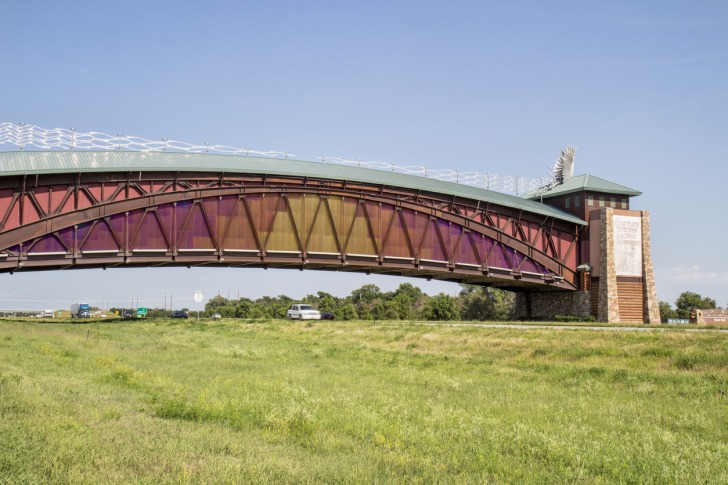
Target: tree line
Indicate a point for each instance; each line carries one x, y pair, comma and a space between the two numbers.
685, 303
369, 302
408, 302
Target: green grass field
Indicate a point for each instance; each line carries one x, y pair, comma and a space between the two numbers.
275, 402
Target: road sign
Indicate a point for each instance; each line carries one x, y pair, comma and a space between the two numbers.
141, 311
198, 296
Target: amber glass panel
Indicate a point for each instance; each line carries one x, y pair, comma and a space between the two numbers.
264, 209
374, 211
343, 211
430, 247
224, 221
305, 222
297, 208
396, 242
417, 224
282, 236
360, 241
321, 237
239, 230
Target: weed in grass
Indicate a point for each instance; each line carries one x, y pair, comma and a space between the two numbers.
620, 375
660, 352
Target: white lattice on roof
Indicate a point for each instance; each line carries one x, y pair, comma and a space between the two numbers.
23, 135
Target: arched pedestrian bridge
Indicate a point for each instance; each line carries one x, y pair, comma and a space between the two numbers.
90, 209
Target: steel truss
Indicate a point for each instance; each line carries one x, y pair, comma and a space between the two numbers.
217, 219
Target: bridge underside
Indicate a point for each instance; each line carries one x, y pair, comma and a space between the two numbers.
105, 220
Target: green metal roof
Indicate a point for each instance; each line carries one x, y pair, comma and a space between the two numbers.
589, 183
49, 162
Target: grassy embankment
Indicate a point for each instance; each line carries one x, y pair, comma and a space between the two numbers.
181, 402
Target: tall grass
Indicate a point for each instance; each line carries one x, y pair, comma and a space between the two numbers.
274, 402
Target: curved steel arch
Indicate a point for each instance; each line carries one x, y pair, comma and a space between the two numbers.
102, 219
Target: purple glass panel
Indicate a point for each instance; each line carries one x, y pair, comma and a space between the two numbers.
511, 256
195, 234
82, 231
228, 205
49, 244
135, 218
117, 223
485, 246
516, 258
66, 236
165, 213
181, 211
530, 266
465, 253
211, 210
497, 257
150, 235
100, 239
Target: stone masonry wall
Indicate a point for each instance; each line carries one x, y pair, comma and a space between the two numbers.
608, 297
652, 304
546, 305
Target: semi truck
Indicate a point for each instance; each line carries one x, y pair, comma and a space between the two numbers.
80, 310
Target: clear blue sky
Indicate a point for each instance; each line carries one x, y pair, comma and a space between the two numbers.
640, 87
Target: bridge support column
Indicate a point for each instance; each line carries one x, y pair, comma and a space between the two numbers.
548, 304
624, 278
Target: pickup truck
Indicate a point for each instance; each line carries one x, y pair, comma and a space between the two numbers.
300, 311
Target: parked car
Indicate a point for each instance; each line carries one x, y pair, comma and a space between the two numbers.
180, 314
302, 311
327, 316
216, 315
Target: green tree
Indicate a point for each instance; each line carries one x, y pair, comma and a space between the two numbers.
666, 312
367, 293
386, 310
227, 311
485, 303
441, 307
214, 303
688, 301
327, 304
348, 312
243, 308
